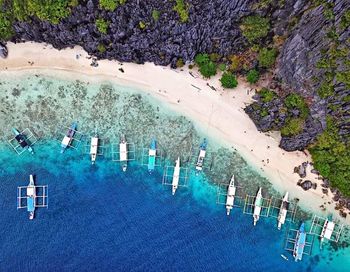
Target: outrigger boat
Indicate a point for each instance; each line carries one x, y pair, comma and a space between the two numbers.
152, 156
327, 230
283, 211
123, 153
257, 206
300, 243
231, 191
93, 148
201, 156
31, 194
68, 138
23, 142
176, 176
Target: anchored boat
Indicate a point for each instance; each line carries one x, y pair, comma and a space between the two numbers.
201, 156
93, 148
176, 176
257, 206
31, 195
123, 153
300, 243
68, 138
152, 156
283, 211
231, 191
327, 230
23, 142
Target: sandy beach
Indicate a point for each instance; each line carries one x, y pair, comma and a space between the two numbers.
218, 113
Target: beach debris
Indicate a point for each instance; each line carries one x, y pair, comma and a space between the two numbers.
121, 70
3, 51
195, 87
94, 62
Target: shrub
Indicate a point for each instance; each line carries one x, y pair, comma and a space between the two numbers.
214, 57
201, 59
182, 9
344, 77
101, 48
155, 15
180, 63
142, 25
266, 95
208, 69
228, 80
295, 101
6, 30
222, 67
255, 27
102, 25
267, 57
293, 127
253, 76
235, 63
110, 5
326, 89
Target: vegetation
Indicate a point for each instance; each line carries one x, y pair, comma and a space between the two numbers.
111, 5
182, 9
101, 48
6, 30
102, 25
332, 157
253, 76
295, 101
180, 63
155, 15
267, 57
267, 95
228, 80
206, 67
292, 127
255, 27
142, 25
222, 67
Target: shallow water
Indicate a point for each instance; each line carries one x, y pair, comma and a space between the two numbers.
102, 219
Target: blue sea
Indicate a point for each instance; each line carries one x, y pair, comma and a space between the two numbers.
102, 219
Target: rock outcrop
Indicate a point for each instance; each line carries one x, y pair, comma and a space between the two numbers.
3, 51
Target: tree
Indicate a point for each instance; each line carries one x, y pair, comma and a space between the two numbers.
201, 59
182, 9
111, 5
155, 15
267, 57
228, 80
255, 27
102, 25
253, 76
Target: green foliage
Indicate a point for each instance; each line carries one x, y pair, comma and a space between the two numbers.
208, 69
142, 25
267, 95
155, 15
332, 157
344, 77
6, 30
255, 27
102, 25
180, 63
228, 80
292, 127
182, 9
345, 20
101, 48
267, 57
214, 57
253, 76
110, 5
222, 67
295, 101
325, 90
200, 59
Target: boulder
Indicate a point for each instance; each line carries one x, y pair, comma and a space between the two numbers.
306, 185
3, 51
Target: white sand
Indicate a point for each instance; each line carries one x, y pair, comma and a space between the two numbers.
218, 113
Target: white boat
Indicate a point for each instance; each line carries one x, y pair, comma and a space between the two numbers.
231, 191
201, 156
31, 195
257, 206
284, 257
283, 211
93, 148
123, 153
327, 230
176, 176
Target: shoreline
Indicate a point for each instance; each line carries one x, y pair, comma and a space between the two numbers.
217, 113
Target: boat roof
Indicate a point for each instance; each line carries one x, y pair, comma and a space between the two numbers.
301, 244
329, 230
30, 204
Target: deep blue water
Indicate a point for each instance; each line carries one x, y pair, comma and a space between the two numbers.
100, 219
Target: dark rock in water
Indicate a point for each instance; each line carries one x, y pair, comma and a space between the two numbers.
3, 51
306, 185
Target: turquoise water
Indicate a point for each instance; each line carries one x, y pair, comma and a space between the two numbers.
102, 219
